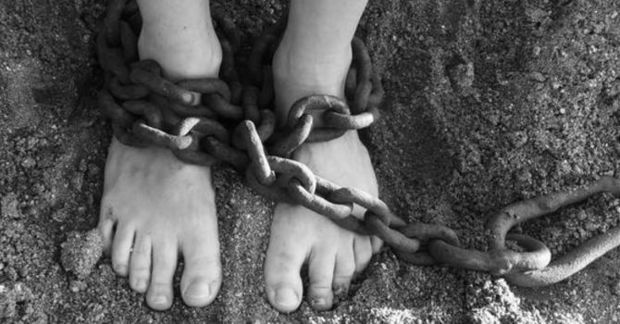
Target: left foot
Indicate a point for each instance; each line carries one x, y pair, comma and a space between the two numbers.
299, 235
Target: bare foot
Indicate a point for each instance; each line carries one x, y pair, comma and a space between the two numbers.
298, 235
155, 206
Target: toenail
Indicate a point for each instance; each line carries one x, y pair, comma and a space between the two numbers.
340, 290
197, 290
120, 269
159, 300
140, 284
286, 297
318, 302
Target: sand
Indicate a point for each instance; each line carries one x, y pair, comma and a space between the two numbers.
488, 103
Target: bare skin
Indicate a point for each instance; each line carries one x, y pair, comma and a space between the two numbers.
313, 58
154, 207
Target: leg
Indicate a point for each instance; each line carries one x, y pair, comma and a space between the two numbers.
314, 58
153, 204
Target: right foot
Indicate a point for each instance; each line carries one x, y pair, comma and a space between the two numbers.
298, 235
155, 206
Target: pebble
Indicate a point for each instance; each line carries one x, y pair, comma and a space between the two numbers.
536, 14
582, 215
581, 233
591, 227
77, 180
614, 89
609, 173
538, 76
60, 215
22, 292
616, 288
29, 162
9, 206
463, 75
524, 176
555, 232
81, 252
518, 138
77, 285
493, 118
93, 170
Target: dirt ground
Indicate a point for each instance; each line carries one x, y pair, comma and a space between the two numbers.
488, 103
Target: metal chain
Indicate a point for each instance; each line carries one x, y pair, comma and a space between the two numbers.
209, 120
192, 118
317, 118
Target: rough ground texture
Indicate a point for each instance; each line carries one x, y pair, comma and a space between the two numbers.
488, 103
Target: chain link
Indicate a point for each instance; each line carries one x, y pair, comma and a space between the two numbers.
148, 109
210, 120
573, 261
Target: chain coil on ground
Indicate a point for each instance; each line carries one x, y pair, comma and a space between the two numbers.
209, 120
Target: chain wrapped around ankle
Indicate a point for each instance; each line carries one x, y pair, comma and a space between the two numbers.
210, 120
190, 117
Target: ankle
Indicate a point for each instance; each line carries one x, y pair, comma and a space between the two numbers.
315, 62
300, 72
186, 55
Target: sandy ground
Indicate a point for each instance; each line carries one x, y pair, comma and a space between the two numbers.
488, 103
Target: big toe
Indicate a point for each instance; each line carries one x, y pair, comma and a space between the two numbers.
202, 275
285, 296
282, 279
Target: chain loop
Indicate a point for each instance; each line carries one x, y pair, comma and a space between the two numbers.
572, 262
426, 233
285, 145
259, 163
148, 109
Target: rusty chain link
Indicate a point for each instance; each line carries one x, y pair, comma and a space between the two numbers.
189, 117
210, 120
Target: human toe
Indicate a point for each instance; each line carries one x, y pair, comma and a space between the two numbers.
282, 280
362, 249
321, 272
202, 275
343, 271
121, 248
159, 295
140, 263
106, 228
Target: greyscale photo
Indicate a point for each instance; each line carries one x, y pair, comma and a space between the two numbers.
309, 161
